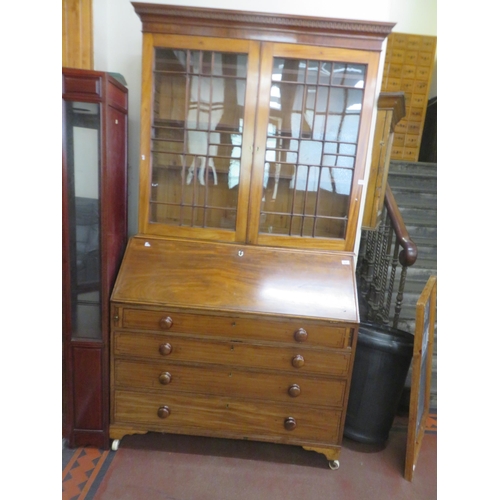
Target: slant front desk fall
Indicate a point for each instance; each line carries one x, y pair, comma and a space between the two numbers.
235, 311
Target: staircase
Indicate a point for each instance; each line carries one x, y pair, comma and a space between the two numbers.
414, 186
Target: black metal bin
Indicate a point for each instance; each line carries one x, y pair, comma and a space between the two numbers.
383, 357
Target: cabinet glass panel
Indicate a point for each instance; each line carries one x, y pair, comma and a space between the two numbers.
82, 132
311, 146
196, 137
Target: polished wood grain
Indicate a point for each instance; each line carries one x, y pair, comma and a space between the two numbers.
170, 377
292, 359
77, 34
390, 110
409, 252
218, 277
270, 329
421, 374
368, 35
226, 417
222, 326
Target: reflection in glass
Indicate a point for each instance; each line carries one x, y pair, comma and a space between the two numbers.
315, 108
82, 132
197, 135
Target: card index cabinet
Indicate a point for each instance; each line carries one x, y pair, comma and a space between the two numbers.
254, 137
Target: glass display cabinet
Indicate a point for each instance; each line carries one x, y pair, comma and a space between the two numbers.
235, 311
94, 230
260, 143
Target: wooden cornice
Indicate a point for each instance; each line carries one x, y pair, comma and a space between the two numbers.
396, 102
158, 18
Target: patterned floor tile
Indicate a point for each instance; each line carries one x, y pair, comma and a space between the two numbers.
81, 472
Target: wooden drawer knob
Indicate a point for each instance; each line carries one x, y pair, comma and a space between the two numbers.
165, 349
300, 335
298, 361
294, 390
163, 411
290, 423
166, 322
165, 378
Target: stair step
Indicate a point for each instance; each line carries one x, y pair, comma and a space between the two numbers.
425, 263
428, 252
417, 231
408, 166
414, 181
418, 215
418, 274
414, 198
423, 242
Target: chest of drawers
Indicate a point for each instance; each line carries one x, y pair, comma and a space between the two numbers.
219, 340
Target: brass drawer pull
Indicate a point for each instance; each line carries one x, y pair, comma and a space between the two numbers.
163, 411
290, 423
300, 335
165, 378
298, 361
166, 323
165, 349
294, 390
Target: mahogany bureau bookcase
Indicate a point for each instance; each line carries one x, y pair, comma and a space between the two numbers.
235, 310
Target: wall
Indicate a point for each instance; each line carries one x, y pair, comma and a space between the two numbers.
118, 38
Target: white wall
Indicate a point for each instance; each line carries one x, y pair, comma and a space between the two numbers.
118, 39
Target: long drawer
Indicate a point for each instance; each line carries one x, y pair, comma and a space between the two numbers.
215, 416
282, 330
170, 378
294, 358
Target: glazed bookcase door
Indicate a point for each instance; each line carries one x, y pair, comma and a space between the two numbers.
314, 116
196, 145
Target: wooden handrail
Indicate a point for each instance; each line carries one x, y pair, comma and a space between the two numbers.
409, 252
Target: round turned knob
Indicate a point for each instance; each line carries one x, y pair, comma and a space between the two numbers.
163, 411
165, 349
294, 390
290, 423
166, 322
298, 361
165, 378
300, 335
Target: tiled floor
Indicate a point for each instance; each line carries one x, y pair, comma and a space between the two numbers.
170, 467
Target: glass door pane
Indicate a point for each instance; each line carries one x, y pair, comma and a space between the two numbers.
311, 146
197, 133
83, 164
